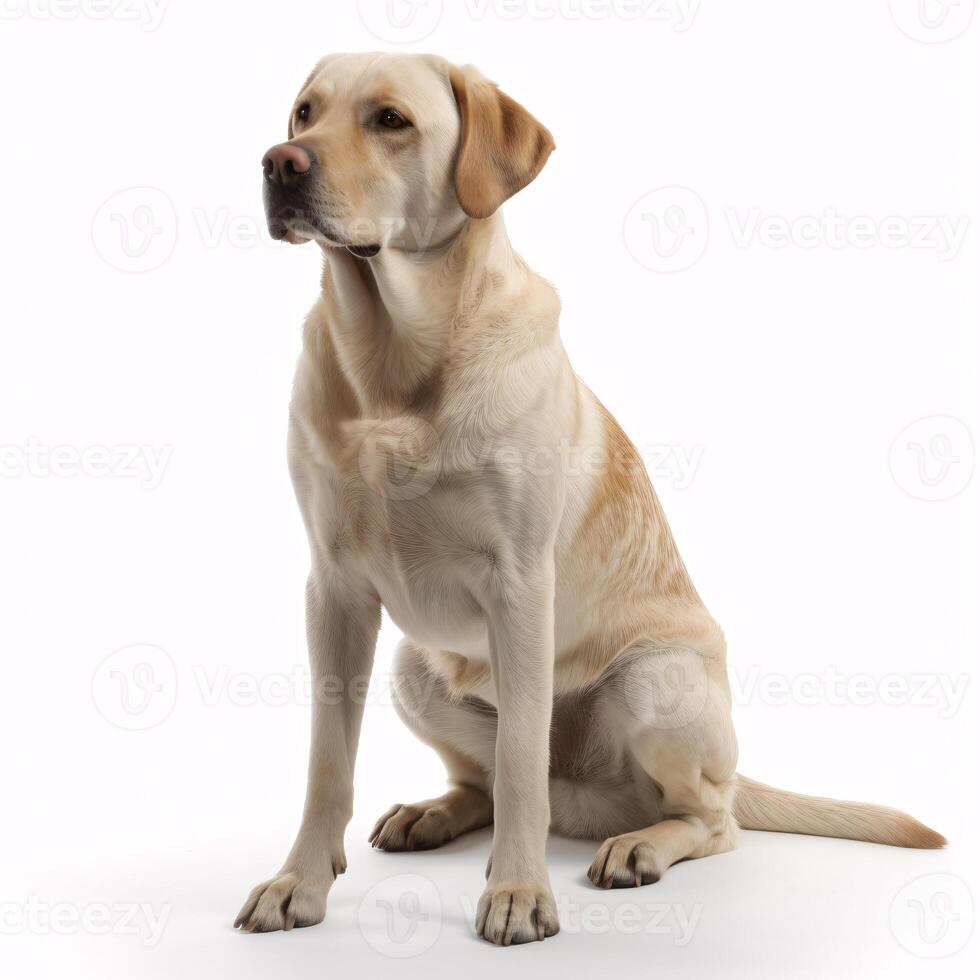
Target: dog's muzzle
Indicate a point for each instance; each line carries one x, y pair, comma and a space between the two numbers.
289, 170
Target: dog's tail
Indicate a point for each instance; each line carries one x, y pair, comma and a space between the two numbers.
760, 807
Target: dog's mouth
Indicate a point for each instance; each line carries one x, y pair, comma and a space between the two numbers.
298, 225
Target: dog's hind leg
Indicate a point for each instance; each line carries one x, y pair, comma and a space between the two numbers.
463, 732
675, 717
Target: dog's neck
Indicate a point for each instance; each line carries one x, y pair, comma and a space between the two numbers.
393, 316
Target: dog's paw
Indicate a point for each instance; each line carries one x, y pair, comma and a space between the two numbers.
625, 862
413, 827
510, 913
283, 902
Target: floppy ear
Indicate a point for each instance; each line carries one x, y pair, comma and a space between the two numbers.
502, 147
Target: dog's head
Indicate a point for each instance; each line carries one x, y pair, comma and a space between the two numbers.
397, 150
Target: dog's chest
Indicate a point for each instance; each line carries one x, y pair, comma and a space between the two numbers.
421, 545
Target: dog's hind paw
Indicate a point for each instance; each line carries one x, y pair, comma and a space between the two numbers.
412, 827
625, 862
432, 823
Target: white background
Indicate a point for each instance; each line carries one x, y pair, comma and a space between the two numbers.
786, 374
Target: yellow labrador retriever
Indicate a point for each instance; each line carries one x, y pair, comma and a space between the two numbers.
451, 466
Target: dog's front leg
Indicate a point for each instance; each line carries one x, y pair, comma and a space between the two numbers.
517, 904
341, 632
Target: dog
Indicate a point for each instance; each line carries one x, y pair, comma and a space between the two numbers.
451, 467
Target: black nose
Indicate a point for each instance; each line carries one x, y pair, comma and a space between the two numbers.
285, 163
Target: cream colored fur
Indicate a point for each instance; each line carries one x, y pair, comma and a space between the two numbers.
451, 467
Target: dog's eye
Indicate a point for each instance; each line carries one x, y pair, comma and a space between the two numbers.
392, 119
303, 112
